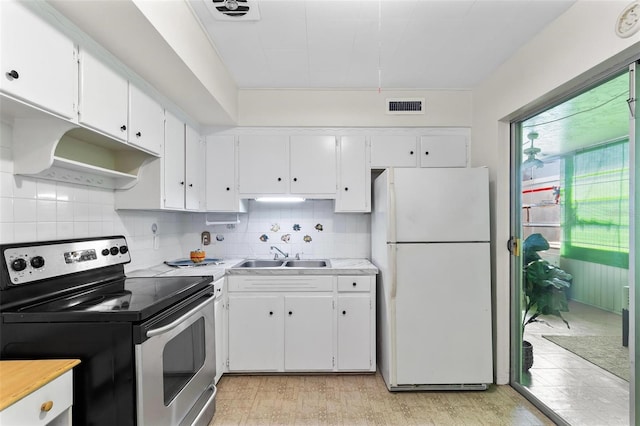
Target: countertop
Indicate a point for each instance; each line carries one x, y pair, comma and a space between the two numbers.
20, 378
338, 267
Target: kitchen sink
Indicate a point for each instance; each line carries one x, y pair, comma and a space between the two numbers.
306, 263
258, 263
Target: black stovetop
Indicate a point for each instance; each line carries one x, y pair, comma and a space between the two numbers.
125, 299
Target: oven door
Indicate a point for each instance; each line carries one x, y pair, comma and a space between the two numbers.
176, 367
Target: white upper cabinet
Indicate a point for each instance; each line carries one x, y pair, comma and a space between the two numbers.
104, 97
301, 165
39, 63
443, 151
354, 175
221, 178
146, 121
175, 181
174, 163
263, 164
393, 151
313, 165
110, 104
194, 170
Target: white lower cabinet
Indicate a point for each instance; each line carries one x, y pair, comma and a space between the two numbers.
354, 332
296, 323
220, 328
49, 405
255, 332
308, 332
356, 323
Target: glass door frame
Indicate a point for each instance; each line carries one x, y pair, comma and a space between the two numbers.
516, 232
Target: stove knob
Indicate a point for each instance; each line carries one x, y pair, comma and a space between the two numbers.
19, 264
105, 252
114, 250
37, 262
124, 249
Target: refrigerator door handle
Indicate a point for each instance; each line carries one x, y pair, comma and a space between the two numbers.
393, 272
391, 209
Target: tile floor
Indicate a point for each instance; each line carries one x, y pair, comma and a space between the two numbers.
580, 392
362, 400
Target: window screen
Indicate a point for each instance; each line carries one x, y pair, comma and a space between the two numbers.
596, 205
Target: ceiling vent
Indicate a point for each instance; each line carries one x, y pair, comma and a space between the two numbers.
234, 10
405, 106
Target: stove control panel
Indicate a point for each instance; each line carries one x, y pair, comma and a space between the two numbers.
51, 259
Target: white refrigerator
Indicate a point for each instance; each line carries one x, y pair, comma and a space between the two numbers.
430, 241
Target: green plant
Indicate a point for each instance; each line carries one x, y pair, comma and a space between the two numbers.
544, 284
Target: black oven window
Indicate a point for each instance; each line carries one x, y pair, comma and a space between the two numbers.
182, 357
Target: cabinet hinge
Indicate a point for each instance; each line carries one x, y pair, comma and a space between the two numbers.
333, 361
227, 362
333, 304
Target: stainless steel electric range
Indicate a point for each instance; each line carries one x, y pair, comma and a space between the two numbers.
146, 344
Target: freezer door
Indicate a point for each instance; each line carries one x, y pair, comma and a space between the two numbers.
434, 205
443, 314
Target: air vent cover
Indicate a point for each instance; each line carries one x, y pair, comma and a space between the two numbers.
238, 10
405, 106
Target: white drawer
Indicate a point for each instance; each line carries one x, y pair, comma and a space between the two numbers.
28, 412
354, 283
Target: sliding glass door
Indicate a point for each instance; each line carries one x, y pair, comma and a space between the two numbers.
572, 269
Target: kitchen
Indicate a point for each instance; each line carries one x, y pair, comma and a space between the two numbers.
36, 209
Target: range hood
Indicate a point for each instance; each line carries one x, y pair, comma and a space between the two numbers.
49, 147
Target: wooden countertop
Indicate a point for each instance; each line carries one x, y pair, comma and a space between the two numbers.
19, 378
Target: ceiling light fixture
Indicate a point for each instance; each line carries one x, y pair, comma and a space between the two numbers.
280, 199
231, 4
531, 152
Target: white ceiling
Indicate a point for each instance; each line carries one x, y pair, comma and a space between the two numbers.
364, 44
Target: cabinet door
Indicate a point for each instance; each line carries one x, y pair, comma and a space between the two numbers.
354, 175
218, 307
255, 333
354, 331
220, 170
194, 169
263, 164
38, 61
174, 163
103, 97
308, 331
313, 164
146, 121
393, 151
443, 151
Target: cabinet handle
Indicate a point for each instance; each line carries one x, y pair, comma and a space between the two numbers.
123, 127
344, 312
138, 134
191, 185
346, 188
279, 179
270, 313
410, 152
426, 153
295, 179
46, 406
290, 313
354, 284
182, 183
13, 74
228, 189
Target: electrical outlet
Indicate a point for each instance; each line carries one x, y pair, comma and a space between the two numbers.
206, 238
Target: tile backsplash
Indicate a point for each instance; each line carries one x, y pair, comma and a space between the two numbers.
310, 229
33, 209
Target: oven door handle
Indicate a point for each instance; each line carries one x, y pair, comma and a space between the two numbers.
178, 321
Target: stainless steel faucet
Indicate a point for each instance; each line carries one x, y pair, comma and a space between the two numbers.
281, 252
